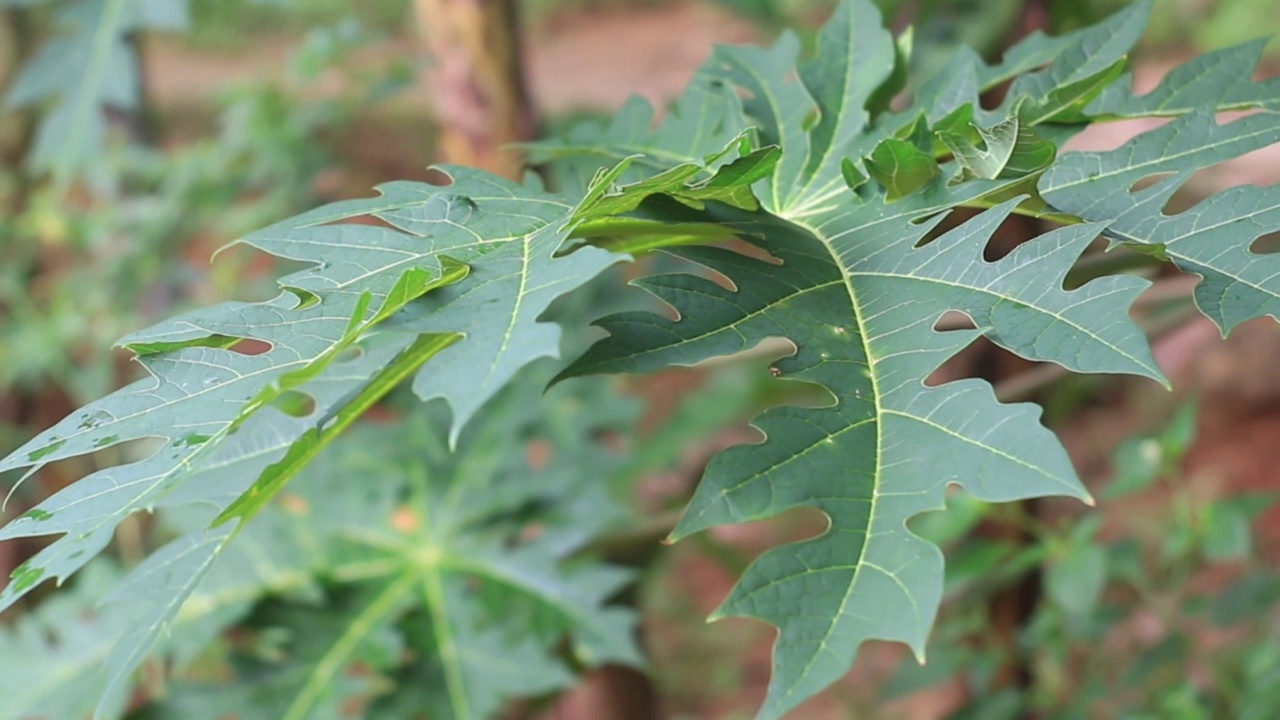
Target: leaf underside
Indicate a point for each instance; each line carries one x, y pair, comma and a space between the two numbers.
868, 215
458, 275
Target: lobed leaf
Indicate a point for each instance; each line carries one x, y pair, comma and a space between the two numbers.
439, 554
51, 659
364, 294
84, 69
1212, 239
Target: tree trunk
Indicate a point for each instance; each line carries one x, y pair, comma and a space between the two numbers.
481, 99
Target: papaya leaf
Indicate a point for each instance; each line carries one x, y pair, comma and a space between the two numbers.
467, 553
1211, 239
989, 161
463, 554
857, 288
886, 448
1221, 79
88, 66
312, 644
51, 659
702, 122
202, 389
903, 168
1069, 58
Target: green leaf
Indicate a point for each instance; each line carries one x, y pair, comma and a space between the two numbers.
1212, 238
198, 394
1076, 581
1222, 79
159, 586
1138, 463
448, 549
856, 59
364, 294
1248, 598
764, 148
1070, 58
86, 67
1227, 533
989, 161
901, 167
706, 119
488, 595
862, 323
857, 289
1031, 153
51, 658
304, 675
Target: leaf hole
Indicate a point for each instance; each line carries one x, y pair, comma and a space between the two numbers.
250, 346
1104, 136
366, 220
351, 353
794, 525
295, 404
953, 320
718, 278
992, 99
1147, 181
1267, 244
939, 224
1190, 191
438, 177
749, 249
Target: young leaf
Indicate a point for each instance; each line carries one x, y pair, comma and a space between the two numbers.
702, 122
901, 167
989, 161
1076, 582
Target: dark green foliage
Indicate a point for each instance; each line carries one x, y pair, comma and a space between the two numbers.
844, 196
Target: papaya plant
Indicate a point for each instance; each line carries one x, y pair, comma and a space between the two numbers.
87, 65
829, 200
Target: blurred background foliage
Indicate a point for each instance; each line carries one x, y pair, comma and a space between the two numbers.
219, 116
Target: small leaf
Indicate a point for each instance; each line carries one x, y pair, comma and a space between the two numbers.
1178, 435
1227, 533
1076, 581
1138, 463
989, 161
1245, 599
901, 167
853, 177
